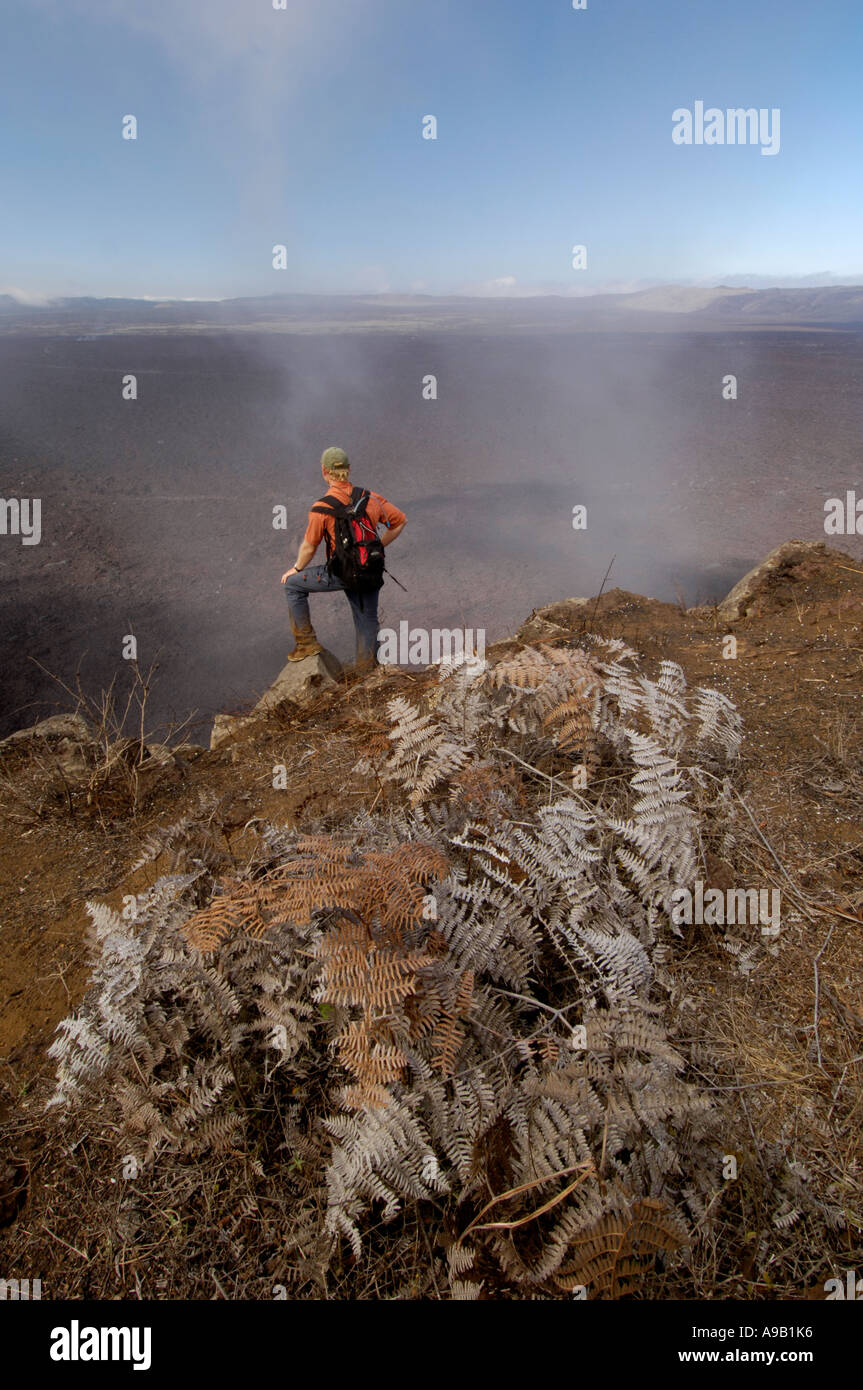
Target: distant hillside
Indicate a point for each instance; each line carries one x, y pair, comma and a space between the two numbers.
662, 307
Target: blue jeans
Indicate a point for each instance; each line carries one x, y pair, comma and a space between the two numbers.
364, 607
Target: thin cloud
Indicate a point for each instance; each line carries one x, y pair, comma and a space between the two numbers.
31, 299
255, 59
249, 66
205, 36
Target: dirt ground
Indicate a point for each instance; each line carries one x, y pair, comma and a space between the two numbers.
789, 1032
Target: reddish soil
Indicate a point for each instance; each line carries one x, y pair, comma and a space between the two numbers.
796, 681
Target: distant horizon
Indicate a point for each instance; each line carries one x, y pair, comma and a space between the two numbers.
755, 283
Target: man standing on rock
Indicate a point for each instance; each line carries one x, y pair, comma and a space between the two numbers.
347, 518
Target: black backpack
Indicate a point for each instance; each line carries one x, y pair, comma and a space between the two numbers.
357, 558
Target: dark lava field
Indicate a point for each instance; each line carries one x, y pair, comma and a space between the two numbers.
157, 513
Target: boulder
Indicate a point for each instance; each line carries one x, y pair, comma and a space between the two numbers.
166, 754
764, 577
225, 726
72, 726
73, 744
554, 620
69, 737
298, 682
301, 681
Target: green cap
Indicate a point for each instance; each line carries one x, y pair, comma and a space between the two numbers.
335, 460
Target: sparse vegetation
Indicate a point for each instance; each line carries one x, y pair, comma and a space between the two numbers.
88, 761
250, 1108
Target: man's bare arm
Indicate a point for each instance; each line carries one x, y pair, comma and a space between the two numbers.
389, 536
304, 557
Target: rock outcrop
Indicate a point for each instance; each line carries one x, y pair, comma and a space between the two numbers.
751, 591
80, 752
553, 620
298, 682
68, 736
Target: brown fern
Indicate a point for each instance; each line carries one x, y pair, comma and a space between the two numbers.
548, 1050
374, 1063
488, 793
449, 1034
525, 671
611, 1257
369, 956
325, 874
534, 666
576, 732
359, 971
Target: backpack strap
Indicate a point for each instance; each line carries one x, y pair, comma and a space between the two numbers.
359, 502
356, 508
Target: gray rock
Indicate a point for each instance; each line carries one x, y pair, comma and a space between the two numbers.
225, 726
301, 681
745, 592
73, 726
298, 681
68, 736
552, 620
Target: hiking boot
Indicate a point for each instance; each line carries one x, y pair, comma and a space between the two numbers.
306, 646
307, 642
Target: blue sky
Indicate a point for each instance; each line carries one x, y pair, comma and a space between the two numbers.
303, 127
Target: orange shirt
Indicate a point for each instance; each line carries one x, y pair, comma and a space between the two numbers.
379, 511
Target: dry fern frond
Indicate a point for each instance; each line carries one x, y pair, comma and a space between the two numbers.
359, 972
321, 876
611, 1257
576, 732
533, 666
450, 1033
326, 849
526, 671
